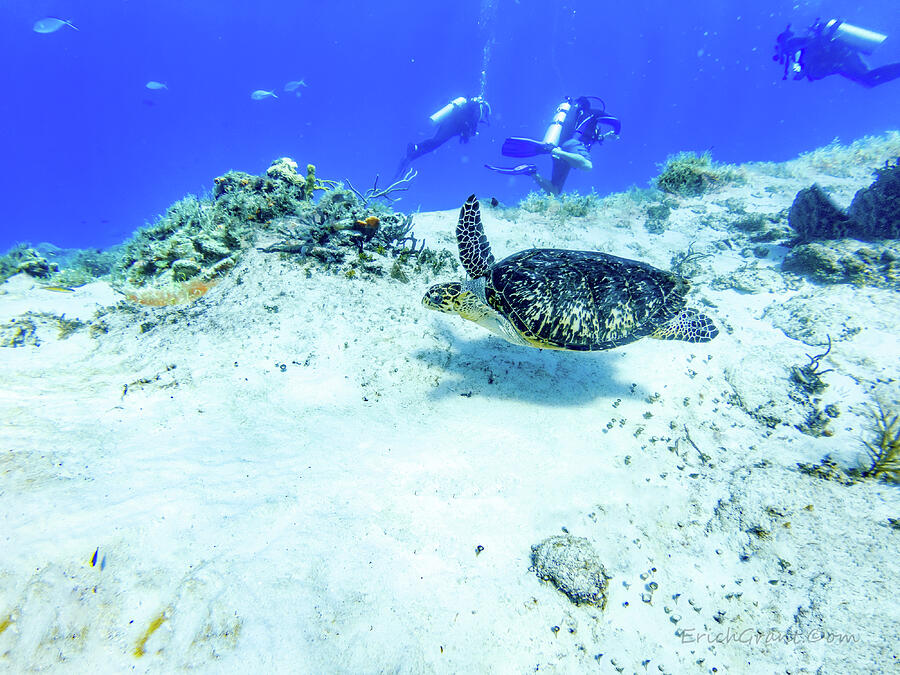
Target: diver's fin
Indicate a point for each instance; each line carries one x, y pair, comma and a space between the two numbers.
689, 325
521, 170
524, 147
405, 162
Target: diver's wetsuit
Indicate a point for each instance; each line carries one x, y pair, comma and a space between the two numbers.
580, 130
586, 133
817, 56
462, 122
561, 168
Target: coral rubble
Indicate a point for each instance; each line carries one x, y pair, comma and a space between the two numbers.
574, 568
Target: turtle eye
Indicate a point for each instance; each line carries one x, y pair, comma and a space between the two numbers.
436, 298
442, 297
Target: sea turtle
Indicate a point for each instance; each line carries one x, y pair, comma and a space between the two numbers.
555, 299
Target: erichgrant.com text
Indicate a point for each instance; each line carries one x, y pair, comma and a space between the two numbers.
752, 636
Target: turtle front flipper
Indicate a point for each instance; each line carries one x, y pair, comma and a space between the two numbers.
688, 325
474, 249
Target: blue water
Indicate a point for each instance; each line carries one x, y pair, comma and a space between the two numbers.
89, 154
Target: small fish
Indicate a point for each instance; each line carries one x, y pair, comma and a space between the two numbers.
59, 289
294, 84
369, 225
51, 25
260, 94
94, 559
154, 85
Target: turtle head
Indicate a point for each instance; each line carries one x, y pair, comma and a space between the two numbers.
445, 297
457, 298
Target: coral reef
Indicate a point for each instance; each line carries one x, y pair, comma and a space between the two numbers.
657, 216
241, 197
197, 240
561, 207
343, 234
873, 214
80, 266
19, 332
847, 261
753, 277
31, 328
836, 159
688, 174
388, 193
876, 209
286, 169
56, 266
24, 258
181, 244
574, 568
182, 255
814, 216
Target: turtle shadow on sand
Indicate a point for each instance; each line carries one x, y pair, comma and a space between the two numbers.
492, 368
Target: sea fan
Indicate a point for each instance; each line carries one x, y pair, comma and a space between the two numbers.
884, 449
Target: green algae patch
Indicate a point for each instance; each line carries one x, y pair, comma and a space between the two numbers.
688, 174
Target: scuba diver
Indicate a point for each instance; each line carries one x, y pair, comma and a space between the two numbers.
460, 118
575, 127
832, 48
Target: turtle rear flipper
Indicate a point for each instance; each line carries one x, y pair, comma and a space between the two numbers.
689, 325
474, 249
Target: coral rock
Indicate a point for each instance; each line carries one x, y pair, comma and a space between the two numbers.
182, 270
814, 216
847, 261
285, 169
574, 568
876, 209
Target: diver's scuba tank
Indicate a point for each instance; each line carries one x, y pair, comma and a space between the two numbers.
444, 112
854, 37
554, 131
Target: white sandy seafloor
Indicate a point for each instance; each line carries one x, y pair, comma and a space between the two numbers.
301, 467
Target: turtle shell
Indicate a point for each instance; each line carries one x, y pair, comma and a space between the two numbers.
582, 300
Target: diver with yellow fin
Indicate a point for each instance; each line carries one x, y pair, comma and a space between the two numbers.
460, 118
576, 126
